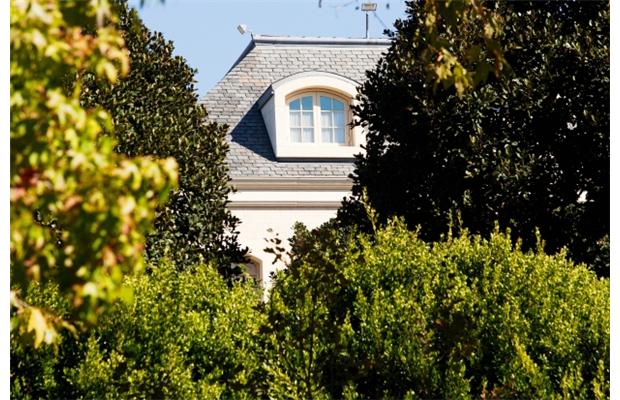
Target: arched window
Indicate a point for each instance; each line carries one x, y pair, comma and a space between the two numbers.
308, 116
318, 117
254, 267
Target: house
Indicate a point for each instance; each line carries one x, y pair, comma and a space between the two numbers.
287, 102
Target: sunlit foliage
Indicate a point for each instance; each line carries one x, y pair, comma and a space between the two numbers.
389, 316
79, 211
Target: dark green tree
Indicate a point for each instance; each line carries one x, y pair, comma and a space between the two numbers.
528, 149
156, 112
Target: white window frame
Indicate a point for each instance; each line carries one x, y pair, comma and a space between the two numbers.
316, 116
275, 111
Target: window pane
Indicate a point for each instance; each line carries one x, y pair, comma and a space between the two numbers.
295, 135
332, 120
326, 103
339, 119
326, 135
306, 119
295, 119
308, 135
326, 119
339, 135
306, 103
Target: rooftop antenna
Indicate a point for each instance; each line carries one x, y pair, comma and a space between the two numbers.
367, 7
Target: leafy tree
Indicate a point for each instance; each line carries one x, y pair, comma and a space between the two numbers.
388, 315
156, 112
39, 374
79, 211
527, 149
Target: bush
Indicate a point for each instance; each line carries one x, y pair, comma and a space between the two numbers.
391, 316
37, 373
185, 335
354, 316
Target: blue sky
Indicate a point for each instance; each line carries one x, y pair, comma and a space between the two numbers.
205, 31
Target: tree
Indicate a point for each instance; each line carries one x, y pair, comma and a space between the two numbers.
79, 211
528, 149
156, 112
446, 60
389, 315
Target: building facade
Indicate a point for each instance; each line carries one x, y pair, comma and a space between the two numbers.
287, 102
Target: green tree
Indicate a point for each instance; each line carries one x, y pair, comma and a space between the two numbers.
388, 315
39, 374
79, 211
527, 149
156, 112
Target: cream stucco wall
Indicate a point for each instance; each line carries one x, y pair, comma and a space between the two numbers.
269, 208
256, 223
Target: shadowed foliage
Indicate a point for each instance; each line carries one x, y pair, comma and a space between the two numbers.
528, 149
156, 112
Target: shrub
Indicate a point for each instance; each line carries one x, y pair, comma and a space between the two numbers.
386, 315
37, 373
186, 335
391, 316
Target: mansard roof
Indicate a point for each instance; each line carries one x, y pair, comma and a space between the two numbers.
235, 99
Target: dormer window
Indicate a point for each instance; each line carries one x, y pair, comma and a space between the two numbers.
308, 116
317, 117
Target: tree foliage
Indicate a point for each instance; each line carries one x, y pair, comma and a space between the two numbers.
388, 315
79, 211
448, 59
156, 112
527, 149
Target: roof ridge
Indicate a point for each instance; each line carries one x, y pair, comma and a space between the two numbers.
324, 40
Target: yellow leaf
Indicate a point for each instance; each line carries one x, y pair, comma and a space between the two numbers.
38, 39
38, 323
110, 71
89, 289
442, 72
127, 204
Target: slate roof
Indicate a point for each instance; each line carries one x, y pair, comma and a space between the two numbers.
234, 100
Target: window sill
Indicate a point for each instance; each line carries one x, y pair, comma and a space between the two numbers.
317, 151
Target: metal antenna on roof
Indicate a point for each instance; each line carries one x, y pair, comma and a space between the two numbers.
367, 7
